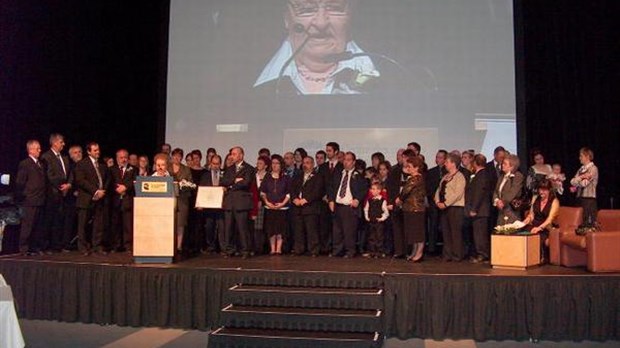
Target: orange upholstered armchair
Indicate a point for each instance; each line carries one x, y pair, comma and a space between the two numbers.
598, 250
568, 220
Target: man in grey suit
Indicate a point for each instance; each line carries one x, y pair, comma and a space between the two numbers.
509, 187
237, 204
57, 170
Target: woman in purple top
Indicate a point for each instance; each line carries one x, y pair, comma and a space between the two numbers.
275, 193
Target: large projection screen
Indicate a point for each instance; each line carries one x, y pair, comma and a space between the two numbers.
372, 75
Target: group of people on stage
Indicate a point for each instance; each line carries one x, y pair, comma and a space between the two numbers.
330, 203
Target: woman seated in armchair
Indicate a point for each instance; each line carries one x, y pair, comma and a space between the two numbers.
545, 208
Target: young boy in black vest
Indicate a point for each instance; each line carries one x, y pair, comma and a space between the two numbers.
376, 212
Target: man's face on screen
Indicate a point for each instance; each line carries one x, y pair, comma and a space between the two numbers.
326, 22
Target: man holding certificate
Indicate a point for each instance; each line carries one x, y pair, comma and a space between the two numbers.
213, 216
237, 181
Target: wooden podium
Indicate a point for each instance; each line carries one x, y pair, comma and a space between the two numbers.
154, 220
515, 251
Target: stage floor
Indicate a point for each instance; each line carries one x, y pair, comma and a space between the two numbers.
429, 266
431, 299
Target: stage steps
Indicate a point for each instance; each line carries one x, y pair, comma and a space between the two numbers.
277, 315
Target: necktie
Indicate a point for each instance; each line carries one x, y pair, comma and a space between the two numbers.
62, 164
215, 179
98, 175
122, 172
331, 166
344, 184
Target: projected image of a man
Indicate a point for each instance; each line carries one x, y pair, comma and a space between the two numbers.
317, 57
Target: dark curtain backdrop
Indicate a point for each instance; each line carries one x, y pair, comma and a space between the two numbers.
96, 70
567, 80
92, 70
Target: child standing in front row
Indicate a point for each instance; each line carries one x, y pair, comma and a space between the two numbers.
376, 212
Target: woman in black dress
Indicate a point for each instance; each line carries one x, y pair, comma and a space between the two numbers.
545, 208
275, 193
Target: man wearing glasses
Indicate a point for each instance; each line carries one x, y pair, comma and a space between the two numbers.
326, 60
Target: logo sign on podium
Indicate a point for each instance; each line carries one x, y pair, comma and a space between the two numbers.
154, 186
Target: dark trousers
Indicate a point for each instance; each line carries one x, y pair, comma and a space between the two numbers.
388, 237
400, 240
70, 225
590, 209
468, 237
54, 223
481, 237
288, 237
325, 227
122, 228
375, 237
306, 230
432, 228
452, 231
345, 230
92, 214
238, 219
214, 230
362, 235
30, 231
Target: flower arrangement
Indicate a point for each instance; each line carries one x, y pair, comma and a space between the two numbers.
186, 185
508, 229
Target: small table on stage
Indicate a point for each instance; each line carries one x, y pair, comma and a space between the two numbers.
515, 251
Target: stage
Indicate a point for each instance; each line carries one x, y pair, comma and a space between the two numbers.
431, 299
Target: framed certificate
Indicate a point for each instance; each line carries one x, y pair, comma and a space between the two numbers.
210, 197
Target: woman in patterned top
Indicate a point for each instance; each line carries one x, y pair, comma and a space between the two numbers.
412, 196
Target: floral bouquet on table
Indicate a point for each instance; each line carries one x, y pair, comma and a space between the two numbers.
185, 185
508, 229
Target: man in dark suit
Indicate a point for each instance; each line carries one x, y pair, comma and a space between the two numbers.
30, 187
122, 177
213, 219
58, 174
494, 169
478, 207
327, 170
346, 196
432, 180
237, 180
307, 194
91, 181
